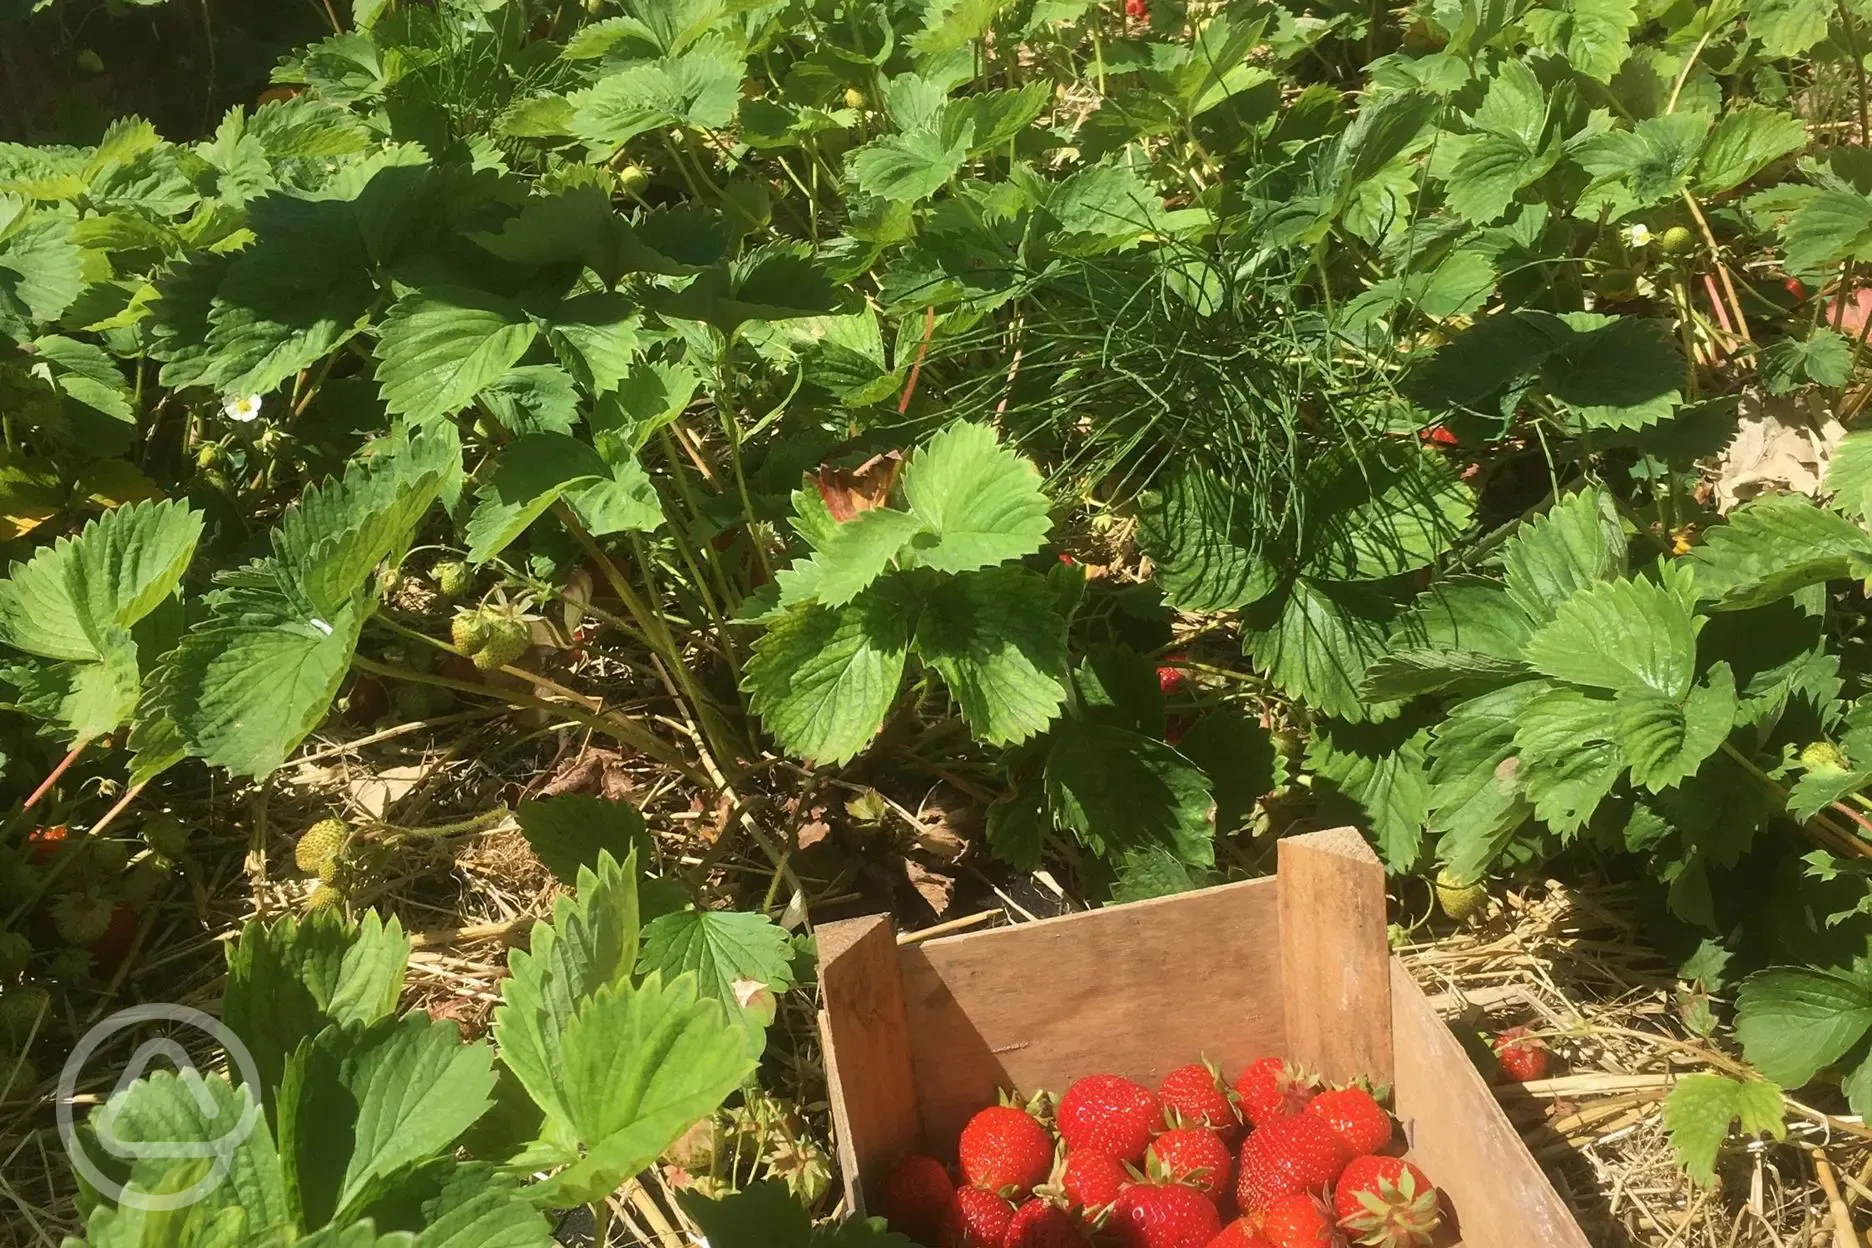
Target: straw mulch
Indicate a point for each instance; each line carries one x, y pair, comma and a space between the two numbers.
1570, 964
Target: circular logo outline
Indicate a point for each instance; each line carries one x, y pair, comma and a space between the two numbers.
218, 1150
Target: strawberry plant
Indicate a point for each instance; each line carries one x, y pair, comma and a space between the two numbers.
364, 1110
1158, 422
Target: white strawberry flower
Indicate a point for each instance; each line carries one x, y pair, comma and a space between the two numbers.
241, 407
1638, 235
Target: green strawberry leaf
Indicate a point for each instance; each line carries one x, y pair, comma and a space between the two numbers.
1772, 547
289, 979
1379, 771
1745, 141
912, 166
1237, 754
719, 947
569, 832
1567, 755
1789, 27
481, 1207
359, 1105
73, 596
247, 684
1615, 372
999, 642
1189, 528
1119, 791
41, 270
533, 473
1619, 635
1476, 803
823, 678
330, 541
980, 503
1664, 741
438, 348
179, 1108
1578, 542
1700, 1109
1794, 1022
852, 556
699, 89
1373, 517
641, 1063
1316, 641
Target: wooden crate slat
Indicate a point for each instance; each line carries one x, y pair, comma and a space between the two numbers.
1131, 990
1463, 1141
1335, 961
865, 1037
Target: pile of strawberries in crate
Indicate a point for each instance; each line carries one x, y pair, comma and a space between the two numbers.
1276, 1161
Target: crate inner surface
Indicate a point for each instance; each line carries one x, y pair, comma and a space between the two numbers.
1130, 990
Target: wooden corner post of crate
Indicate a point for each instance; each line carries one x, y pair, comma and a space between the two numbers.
866, 1040
1335, 961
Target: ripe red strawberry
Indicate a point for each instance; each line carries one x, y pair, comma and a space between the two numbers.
1436, 435
1301, 1220
1358, 1118
1170, 677
1521, 1058
1239, 1234
1298, 1153
1093, 1180
918, 1198
1192, 1155
1271, 1088
1138, 10
1195, 1092
1386, 1202
1038, 1224
1108, 1114
982, 1220
1169, 1216
43, 843
1004, 1149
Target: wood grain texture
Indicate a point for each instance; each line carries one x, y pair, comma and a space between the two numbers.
1463, 1141
865, 1037
1336, 978
1133, 990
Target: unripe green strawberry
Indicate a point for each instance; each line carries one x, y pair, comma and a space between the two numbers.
508, 638
324, 897
1676, 241
80, 918
469, 630
319, 846
452, 577
167, 835
1824, 756
633, 179
14, 950
208, 456
1458, 899
19, 1078
413, 701
854, 98
24, 1010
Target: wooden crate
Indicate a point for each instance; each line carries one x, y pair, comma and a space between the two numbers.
918, 1037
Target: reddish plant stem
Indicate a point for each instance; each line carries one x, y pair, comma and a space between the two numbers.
45, 785
916, 369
